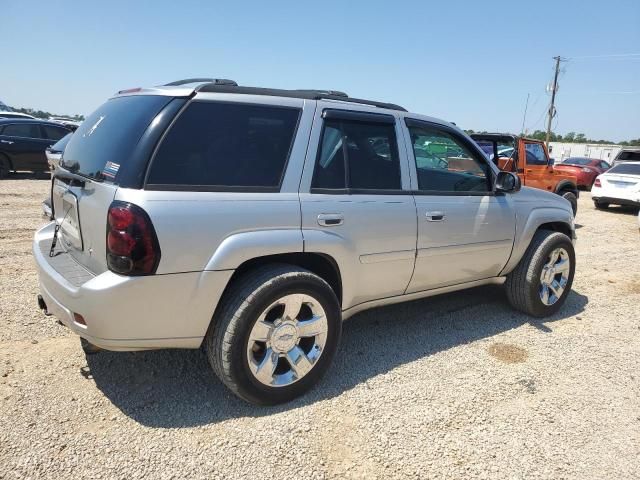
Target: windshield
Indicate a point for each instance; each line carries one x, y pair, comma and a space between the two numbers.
505, 149
106, 139
626, 169
60, 145
629, 155
577, 161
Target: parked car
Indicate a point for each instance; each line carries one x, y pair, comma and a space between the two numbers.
23, 143
55, 151
620, 185
529, 159
54, 154
584, 169
12, 114
253, 221
67, 122
627, 154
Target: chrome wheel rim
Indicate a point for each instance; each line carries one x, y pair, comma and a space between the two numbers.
554, 276
287, 340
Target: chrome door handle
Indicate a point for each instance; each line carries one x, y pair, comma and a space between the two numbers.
435, 216
330, 219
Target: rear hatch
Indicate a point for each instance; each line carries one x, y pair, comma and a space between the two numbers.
98, 153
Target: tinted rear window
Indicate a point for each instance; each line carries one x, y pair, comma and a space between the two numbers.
629, 155
226, 145
106, 139
626, 169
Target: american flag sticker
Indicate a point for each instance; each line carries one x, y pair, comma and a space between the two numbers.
110, 169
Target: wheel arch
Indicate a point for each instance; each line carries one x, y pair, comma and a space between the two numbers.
544, 218
318, 263
566, 186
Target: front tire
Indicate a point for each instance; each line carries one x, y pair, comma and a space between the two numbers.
573, 200
541, 282
274, 334
600, 205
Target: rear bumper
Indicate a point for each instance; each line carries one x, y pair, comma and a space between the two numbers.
128, 313
617, 201
616, 196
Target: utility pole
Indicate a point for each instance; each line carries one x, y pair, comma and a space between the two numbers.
552, 109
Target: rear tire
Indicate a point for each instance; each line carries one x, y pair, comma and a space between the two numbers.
259, 349
525, 284
573, 200
600, 205
5, 167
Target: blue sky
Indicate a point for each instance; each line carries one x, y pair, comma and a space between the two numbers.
468, 62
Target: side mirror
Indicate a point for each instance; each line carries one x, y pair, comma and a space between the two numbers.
508, 182
552, 161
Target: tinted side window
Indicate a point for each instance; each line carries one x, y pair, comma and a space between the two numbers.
25, 130
226, 145
54, 133
535, 154
445, 164
358, 155
605, 165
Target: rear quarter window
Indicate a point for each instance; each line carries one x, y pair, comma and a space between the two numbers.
220, 146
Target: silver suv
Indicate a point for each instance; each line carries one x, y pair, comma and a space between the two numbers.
252, 221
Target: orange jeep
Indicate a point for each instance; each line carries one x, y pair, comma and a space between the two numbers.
529, 159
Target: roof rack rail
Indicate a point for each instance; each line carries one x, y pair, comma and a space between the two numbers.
214, 81
335, 93
304, 94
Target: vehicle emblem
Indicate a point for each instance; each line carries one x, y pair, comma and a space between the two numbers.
92, 129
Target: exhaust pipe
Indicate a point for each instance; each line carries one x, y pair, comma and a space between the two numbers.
42, 305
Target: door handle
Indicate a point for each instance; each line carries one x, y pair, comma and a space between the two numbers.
435, 216
330, 219
6, 141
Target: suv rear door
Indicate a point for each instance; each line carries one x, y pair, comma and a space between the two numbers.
465, 230
355, 201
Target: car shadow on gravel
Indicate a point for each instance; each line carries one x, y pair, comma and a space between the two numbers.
177, 388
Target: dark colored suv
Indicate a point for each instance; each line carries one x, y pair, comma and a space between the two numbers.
23, 143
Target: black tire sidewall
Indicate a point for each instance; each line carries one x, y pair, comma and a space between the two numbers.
250, 388
539, 260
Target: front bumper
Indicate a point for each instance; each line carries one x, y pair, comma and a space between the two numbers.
127, 313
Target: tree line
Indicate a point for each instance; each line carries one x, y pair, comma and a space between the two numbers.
572, 137
44, 115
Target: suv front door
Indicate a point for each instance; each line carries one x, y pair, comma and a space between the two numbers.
356, 203
537, 171
465, 230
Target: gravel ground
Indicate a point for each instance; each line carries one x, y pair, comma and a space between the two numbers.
458, 386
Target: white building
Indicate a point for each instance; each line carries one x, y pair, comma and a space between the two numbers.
561, 150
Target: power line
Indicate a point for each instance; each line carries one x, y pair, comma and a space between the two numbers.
614, 55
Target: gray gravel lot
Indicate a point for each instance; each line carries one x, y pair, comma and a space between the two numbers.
458, 386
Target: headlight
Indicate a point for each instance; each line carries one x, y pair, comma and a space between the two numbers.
587, 170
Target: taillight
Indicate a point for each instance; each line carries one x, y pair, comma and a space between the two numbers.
132, 244
597, 183
586, 169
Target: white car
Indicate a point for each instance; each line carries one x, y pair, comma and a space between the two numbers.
11, 114
620, 185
